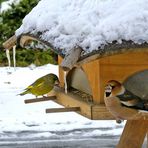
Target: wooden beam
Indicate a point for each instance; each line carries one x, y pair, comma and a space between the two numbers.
58, 110
113, 49
133, 134
39, 99
147, 139
10, 42
24, 40
71, 59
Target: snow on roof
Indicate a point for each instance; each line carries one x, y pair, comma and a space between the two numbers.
87, 23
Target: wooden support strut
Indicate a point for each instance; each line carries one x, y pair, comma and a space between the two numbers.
58, 110
133, 134
39, 99
147, 138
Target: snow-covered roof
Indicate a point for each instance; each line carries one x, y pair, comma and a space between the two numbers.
90, 24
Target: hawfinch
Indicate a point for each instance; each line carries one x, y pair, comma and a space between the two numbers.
122, 103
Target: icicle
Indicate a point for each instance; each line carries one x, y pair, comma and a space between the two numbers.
65, 82
8, 57
9, 62
14, 56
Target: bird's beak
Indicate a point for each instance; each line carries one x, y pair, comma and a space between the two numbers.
57, 83
107, 94
108, 90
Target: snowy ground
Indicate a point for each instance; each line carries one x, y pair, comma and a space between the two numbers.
22, 124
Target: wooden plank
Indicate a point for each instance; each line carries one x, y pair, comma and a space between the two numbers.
61, 72
133, 134
39, 99
71, 100
92, 71
58, 110
147, 139
140, 58
100, 112
113, 49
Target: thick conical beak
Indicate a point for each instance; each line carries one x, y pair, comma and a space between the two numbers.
107, 94
57, 83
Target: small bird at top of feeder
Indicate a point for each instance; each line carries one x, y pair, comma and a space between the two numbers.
122, 103
42, 85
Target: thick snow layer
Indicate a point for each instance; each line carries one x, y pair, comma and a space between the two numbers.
88, 23
17, 118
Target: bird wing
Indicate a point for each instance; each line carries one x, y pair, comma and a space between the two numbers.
128, 96
130, 100
37, 83
137, 83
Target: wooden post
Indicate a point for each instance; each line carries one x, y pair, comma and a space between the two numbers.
147, 139
133, 134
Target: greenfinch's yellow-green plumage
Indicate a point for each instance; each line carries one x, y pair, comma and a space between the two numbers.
42, 85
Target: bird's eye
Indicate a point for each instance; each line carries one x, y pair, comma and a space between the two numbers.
112, 87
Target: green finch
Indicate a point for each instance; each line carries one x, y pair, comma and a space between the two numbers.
42, 85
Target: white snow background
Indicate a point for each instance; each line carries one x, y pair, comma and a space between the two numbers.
17, 117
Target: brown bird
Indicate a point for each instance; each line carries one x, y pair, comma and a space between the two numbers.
122, 103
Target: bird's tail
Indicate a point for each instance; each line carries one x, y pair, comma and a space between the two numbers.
23, 93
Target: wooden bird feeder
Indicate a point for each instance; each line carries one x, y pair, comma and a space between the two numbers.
86, 77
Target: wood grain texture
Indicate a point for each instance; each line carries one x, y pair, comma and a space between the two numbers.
113, 49
71, 59
99, 112
133, 134
39, 99
61, 72
118, 67
89, 110
10, 42
147, 139
59, 110
92, 71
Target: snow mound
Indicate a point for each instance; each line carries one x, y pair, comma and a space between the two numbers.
88, 23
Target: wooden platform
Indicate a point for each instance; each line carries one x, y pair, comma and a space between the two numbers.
87, 109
